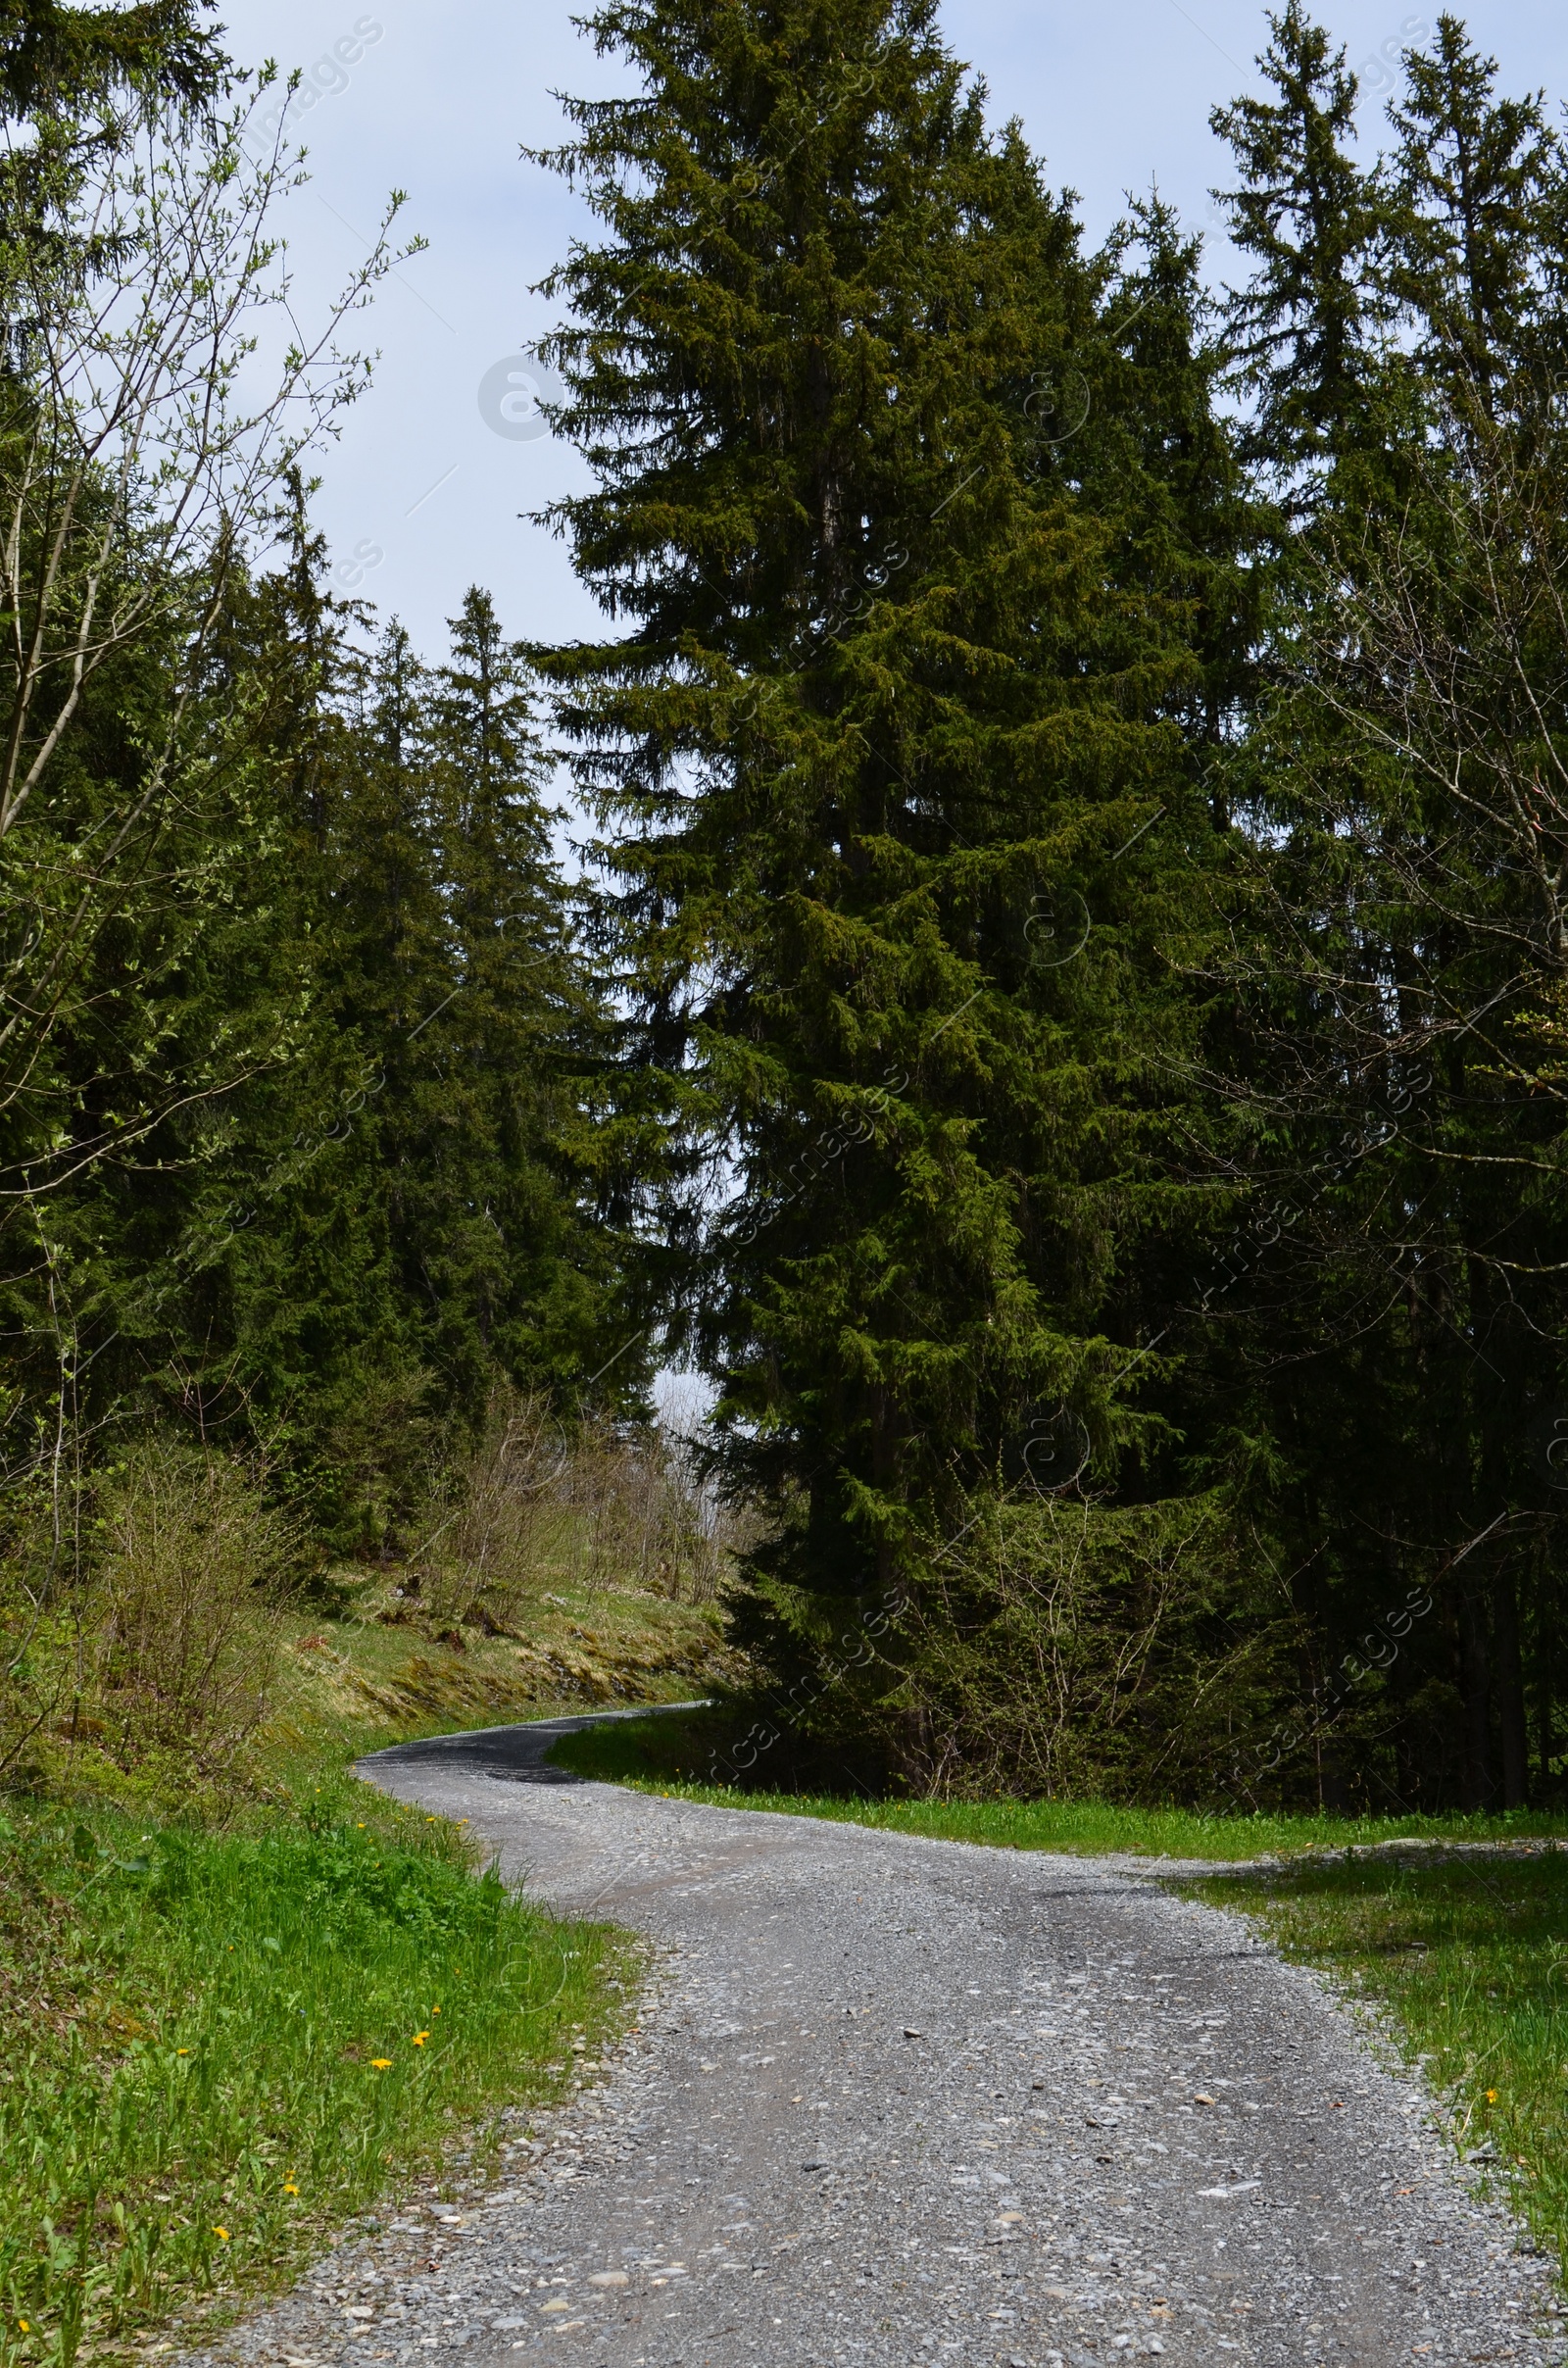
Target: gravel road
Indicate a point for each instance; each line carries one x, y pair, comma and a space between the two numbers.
908, 2102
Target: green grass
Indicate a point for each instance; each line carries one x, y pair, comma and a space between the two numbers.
203, 1970
216, 2045
1471, 1956
650, 1755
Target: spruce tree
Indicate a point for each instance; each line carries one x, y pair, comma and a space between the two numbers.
395, 1190
56, 60
890, 758
533, 1259
1473, 181
1305, 326
1385, 1357
440, 1226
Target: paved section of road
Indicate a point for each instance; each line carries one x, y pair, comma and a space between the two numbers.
896, 2104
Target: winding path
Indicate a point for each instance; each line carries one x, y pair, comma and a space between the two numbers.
897, 2102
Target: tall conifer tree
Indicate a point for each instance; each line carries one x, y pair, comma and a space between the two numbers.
1304, 326
892, 754
534, 1158
1474, 182
1404, 949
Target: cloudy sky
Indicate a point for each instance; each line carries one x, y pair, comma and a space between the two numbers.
423, 496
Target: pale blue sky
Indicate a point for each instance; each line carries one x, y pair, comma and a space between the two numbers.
440, 103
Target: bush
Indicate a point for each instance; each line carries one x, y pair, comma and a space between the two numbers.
1070, 1649
530, 1508
1058, 1648
482, 1554
140, 1612
183, 1612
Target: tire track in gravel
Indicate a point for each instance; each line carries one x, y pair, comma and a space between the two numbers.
903, 2103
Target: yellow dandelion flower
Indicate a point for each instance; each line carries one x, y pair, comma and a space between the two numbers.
419, 2037
1491, 2097
221, 2232
289, 2188
25, 2325
380, 2064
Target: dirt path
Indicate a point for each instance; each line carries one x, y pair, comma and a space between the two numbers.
904, 2101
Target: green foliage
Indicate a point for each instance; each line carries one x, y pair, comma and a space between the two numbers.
54, 60
1066, 1026
1383, 1347
298, 1060
1304, 329
1477, 191
391, 1186
1085, 873
1079, 1651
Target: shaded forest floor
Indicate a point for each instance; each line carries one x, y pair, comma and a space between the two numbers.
665, 1755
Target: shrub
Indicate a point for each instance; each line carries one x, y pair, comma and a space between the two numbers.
530, 1507
182, 1610
1074, 1648
1058, 1648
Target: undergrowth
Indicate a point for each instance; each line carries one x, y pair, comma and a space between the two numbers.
242, 1996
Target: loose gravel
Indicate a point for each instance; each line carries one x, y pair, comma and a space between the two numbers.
914, 2103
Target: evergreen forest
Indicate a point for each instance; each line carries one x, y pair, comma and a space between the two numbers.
1032, 951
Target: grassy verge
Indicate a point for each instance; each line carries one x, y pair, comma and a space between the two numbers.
654, 1756
1470, 1957
241, 1996
218, 2044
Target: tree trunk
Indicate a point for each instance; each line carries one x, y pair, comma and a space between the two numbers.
1477, 1704
1545, 1677
1510, 1687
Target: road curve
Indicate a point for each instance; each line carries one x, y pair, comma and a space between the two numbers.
899, 2101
